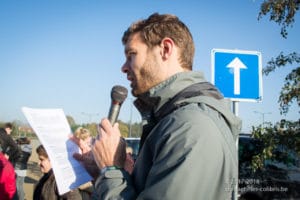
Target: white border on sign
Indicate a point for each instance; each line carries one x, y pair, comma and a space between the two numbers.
237, 51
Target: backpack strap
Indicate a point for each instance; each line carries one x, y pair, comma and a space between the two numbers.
221, 107
179, 100
197, 89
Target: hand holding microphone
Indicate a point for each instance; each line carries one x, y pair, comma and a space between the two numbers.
110, 150
109, 147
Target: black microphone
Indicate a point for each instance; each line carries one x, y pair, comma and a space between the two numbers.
118, 95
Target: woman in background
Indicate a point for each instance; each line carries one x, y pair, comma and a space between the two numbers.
46, 189
86, 190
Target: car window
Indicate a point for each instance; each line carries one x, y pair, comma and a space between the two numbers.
134, 143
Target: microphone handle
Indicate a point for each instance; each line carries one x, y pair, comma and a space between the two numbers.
114, 113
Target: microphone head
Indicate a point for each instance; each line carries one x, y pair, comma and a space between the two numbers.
118, 94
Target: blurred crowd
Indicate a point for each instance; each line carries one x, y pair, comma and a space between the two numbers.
14, 157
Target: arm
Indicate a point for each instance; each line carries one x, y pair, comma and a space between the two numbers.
109, 152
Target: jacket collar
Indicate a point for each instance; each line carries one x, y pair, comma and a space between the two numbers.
149, 102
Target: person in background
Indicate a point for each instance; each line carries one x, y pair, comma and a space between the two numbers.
129, 150
83, 134
187, 148
21, 164
46, 188
129, 164
7, 179
9, 146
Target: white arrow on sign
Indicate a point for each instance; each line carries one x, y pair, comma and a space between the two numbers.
236, 64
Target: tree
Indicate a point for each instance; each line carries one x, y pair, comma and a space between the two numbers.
284, 135
290, 91
123, 128
70, 120
15, 131
281, 11
92, 128
72, 123
136, 129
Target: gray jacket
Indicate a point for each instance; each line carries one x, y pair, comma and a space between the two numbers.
189, 153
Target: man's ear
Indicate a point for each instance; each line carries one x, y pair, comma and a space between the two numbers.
167, 45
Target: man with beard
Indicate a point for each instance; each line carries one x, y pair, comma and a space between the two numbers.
187, 148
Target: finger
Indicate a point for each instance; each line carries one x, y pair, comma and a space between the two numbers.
93, 140
97, 158
106, 126
99, 127
100, 131
116, 129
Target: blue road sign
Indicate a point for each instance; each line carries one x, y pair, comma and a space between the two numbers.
237, 74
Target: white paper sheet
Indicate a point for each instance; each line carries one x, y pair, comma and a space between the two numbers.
53, 130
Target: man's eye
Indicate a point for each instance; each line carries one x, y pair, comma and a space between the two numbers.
131, 53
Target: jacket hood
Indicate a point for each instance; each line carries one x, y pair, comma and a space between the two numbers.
152, 101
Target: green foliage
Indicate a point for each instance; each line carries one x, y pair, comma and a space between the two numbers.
123, 128
282, 141
130, 130
281, 11
280, 61
15, 131
290, 91
91, 127
127, 130
135, 130
279, 142
70, 120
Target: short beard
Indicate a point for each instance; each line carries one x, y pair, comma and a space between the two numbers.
148, 76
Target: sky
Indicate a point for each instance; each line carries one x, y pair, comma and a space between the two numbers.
68, 54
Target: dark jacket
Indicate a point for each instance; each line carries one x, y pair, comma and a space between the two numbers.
22, 161
46, 189
188, 152
9, 146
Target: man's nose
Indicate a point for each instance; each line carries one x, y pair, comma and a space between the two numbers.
125, 68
